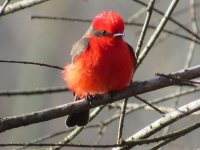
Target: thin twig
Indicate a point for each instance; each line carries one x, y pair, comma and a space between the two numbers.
31, 63
163, 122
175, 34
195, 29
165, 36
169, 136
138, 14
121, 121
164, 109
171, 19
4, 6
37, 91
150, 105
185, 9
62, 145
176, 13
20, 5
101, 131
177, 78
60, 18
159, 145
177, 135
49, 136
157, 31
144, 29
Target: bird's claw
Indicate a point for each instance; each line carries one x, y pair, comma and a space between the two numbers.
90, 99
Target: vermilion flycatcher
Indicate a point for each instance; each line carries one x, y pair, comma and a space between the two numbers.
101, 62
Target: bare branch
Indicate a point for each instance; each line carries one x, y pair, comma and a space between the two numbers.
63, 145
163, 122
169, 136
11, 8
145, 26
189, 58
130, 108
37, 91
121, 121
31, 63
49, 136
4, 6
138, 14
150, 105
192, 83
165, 109
66, 109
157, 31
171, 19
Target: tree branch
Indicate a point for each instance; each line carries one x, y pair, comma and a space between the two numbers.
4, 6
37, 91
157, 32
31, 63
171, 19
144, 28
66, 109
63, 145
163, 122
11, 8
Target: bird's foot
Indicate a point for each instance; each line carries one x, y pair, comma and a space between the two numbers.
90, 99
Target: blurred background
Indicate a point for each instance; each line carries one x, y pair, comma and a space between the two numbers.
50, 41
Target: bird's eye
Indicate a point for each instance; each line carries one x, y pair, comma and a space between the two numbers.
103, 32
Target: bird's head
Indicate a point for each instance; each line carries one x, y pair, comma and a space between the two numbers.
108, 24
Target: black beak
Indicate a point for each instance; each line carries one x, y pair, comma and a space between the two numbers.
118, 35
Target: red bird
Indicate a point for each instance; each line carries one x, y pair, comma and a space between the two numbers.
101, 62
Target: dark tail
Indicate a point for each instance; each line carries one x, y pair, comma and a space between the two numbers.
79, 119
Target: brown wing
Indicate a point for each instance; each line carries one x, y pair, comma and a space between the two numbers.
79, 47
132, 52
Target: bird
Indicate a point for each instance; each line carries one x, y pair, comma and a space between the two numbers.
102, 62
